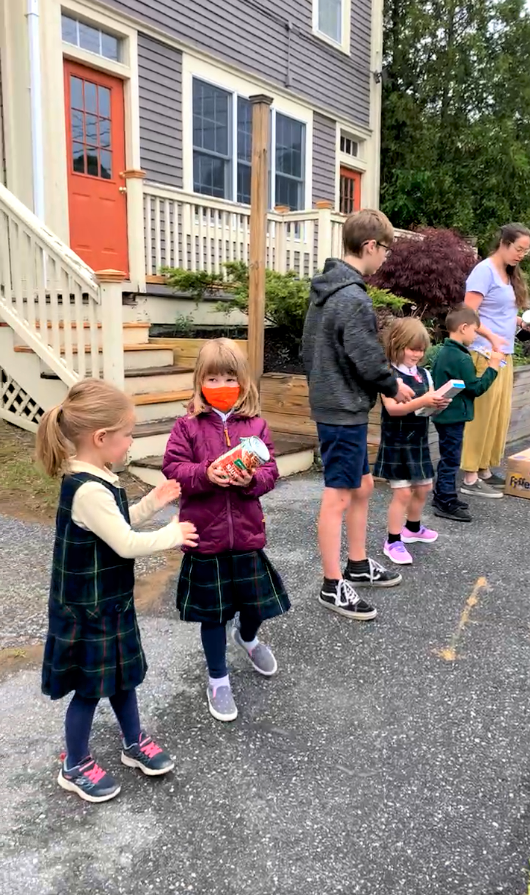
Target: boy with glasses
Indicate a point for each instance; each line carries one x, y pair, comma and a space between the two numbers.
346, 369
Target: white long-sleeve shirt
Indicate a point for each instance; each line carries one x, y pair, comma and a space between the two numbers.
95, 509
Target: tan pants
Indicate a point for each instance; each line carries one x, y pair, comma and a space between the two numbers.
485, 436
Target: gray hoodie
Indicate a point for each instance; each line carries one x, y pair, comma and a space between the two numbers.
344, 360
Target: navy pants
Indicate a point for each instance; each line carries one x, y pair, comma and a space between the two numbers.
214, 643
79, 717
451, 437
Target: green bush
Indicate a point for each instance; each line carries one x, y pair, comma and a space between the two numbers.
286, 294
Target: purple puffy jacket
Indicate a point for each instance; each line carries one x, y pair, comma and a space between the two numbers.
226, 518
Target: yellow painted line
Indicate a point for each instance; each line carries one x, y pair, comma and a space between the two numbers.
449, 652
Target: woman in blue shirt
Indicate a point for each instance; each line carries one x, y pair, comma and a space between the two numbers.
496, 290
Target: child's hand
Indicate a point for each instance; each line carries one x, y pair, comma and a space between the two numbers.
495, 360
218, 476
244, 478
190, 537
166, 492
431, 399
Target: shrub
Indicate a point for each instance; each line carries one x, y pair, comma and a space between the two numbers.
430, 272
286, 294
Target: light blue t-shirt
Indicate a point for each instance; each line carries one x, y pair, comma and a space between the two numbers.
498, 311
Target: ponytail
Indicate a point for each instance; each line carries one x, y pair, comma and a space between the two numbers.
520, 287
90, 405
53, 448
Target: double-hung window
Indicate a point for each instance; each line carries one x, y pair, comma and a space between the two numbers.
222, 149
331, 21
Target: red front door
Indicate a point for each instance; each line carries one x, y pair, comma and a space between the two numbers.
96, 157
350, 190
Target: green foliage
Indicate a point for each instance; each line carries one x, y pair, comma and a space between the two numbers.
456, 114
286, 294
520, 359
184, 325
383, 298
430, 355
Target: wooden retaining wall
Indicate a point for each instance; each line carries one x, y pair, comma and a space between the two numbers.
520, 422
185, 351
285, 406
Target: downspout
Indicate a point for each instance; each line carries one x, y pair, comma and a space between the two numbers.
37, 141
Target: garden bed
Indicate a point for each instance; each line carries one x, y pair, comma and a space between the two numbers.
281, 355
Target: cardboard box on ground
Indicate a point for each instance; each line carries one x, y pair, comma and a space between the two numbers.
518, 475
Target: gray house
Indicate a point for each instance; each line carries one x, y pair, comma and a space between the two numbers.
141, 103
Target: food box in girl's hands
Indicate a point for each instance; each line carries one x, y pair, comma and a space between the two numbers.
447, 390
518, 475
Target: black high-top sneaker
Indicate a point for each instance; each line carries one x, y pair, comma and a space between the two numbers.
342, 598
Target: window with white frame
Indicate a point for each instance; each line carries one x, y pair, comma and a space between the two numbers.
331, 21
90, 37
222, 147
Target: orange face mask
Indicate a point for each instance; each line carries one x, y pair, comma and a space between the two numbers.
222, 397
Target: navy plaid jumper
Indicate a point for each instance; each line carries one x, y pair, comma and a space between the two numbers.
93, 644
404, 453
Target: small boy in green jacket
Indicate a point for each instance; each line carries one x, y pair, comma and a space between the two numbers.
455, 362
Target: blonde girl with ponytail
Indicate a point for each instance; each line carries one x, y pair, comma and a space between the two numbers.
93, 646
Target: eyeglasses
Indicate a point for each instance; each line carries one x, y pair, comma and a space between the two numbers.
385, 247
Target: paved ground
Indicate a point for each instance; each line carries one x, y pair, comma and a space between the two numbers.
385, 759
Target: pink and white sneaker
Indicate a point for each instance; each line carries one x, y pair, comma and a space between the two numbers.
423, 536
397, 553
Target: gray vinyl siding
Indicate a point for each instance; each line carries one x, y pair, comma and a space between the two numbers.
256, 38
324, 158
160, 88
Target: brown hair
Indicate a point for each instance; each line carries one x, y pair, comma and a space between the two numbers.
406, 332
89, 405
507, 235
460, 315
363, 226
223, 356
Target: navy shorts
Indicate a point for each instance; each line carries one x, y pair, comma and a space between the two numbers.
344, 452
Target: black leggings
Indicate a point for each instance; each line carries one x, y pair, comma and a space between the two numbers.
80, 715
214, 643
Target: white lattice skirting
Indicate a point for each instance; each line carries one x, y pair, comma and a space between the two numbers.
16, 406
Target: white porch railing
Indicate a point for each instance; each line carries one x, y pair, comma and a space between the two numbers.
196, 232
50, 298
201, 233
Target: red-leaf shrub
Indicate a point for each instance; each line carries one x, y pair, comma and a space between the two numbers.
431, 272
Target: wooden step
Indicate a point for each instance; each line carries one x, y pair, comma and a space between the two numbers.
163, 397
25, 349
293, 455
153, 405
141, 381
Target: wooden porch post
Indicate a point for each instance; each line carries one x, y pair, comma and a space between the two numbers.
258, 232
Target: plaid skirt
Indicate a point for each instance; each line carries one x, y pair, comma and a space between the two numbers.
213, 588
94, 653
405, 461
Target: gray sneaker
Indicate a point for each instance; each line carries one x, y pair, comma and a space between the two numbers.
261, 657
481, 489
495, 481
221, 703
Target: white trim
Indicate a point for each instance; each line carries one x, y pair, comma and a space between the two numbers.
344, 45
193, 67
275, 89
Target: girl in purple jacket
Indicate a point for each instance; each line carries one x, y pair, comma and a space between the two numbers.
228, 572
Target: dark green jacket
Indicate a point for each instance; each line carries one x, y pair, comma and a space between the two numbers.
454, 362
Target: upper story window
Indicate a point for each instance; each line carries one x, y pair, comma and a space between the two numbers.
349, 146
222, 147
90, 38
331, 21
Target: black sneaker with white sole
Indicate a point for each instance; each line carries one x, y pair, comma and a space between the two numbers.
375, 575
341, 597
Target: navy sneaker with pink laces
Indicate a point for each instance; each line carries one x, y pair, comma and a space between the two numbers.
88, 780
148, 756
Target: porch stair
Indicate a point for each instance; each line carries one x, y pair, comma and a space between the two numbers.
60, 322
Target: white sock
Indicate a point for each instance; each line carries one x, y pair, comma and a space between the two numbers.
250, 646
215, 682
